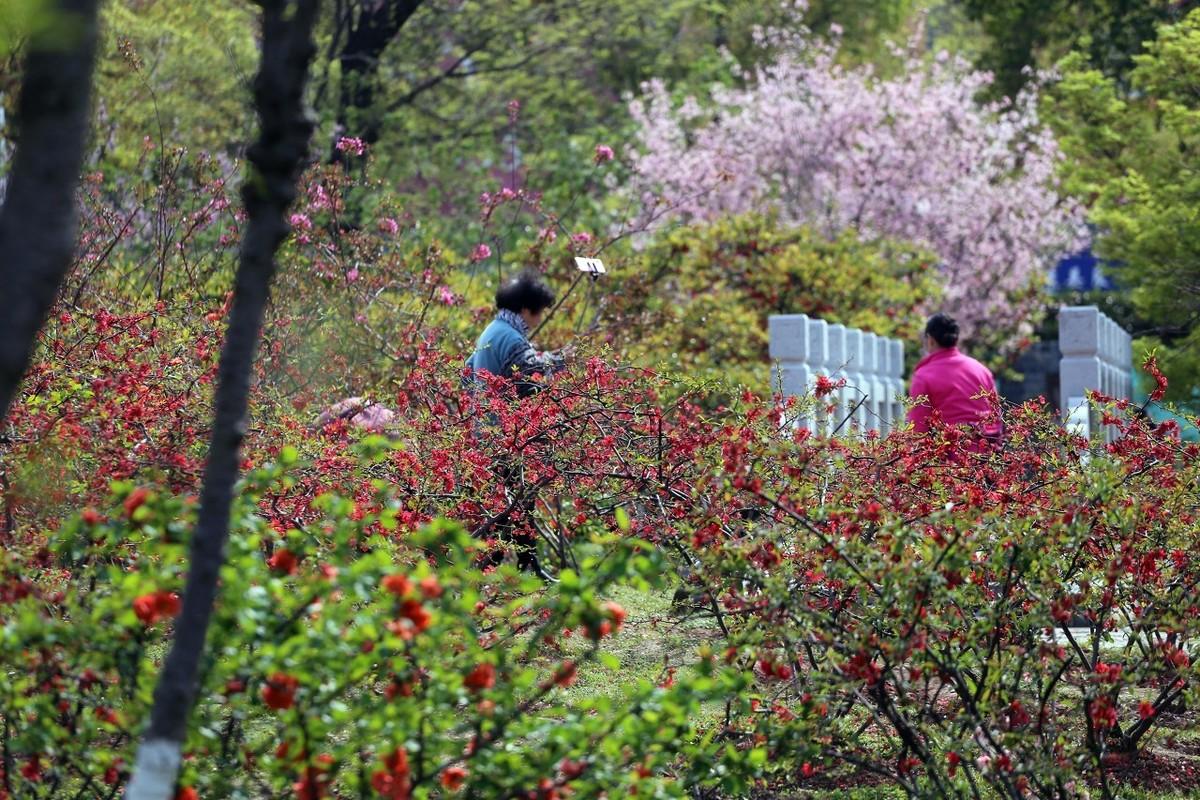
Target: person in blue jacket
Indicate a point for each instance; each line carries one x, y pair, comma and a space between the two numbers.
504, 350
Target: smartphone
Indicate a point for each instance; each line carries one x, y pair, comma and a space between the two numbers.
592, 265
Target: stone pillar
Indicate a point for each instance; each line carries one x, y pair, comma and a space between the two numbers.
871, 366
896, 380
855, 381
835, 366
1096, 356
793, 365
818, 339
883, 371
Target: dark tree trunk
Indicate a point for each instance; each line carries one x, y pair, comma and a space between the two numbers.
37, 222
276, 160
377, 24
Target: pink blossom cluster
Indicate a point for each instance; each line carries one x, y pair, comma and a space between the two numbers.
912, 157
352, 145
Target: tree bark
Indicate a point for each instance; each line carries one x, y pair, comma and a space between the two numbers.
378, 23
276, 160
37, 222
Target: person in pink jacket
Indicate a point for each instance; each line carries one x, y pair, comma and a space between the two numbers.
950, 385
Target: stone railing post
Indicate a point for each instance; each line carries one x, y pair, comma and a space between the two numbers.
835, 368
1096, 356
854, 381
803, 348
793, 358
896, 392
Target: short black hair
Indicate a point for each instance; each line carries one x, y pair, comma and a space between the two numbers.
943, 328
526, 291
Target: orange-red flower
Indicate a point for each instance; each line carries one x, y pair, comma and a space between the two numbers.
392, 781
417, 614
453, 777
483, 676
155, 606
430, 587
279, 692
136, 499
398, 585
284, 562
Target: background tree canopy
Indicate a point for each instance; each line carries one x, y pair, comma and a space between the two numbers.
457, 97
1132, 156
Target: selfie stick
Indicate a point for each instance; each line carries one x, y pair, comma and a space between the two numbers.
594, 268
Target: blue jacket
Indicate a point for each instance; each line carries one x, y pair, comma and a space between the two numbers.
504, 350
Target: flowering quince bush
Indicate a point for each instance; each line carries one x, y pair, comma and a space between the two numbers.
914, 607
357, 664
330, 576
1019, 619
912, 157
946, 617
112, 396
920, 609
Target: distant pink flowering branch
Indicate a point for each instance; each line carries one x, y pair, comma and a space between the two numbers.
352, 145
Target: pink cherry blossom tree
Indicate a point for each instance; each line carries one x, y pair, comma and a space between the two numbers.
912, 157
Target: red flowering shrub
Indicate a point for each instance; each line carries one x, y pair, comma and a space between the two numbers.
1007, 617
916, 607
337, 666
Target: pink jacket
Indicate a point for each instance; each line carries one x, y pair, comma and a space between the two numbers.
953, 383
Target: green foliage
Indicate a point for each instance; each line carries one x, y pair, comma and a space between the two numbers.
177, 74
1132, 156
1108, 34
19, 19
863, 25
699, 297
323, 663
442, 94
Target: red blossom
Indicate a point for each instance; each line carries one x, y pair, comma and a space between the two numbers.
136, 499
283, 562
452, 778
393, 781
430, 587
279, 692
1150, 365
565, 674
31, 770
397, 584
155, 606
482, 677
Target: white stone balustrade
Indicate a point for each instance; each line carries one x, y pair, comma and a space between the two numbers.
1097, 355
803, 348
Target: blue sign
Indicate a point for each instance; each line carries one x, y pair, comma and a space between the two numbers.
1082, 272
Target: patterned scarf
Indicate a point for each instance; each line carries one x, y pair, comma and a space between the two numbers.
514, 319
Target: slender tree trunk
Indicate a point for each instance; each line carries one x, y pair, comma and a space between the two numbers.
37, 222
276, 160
377, 24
